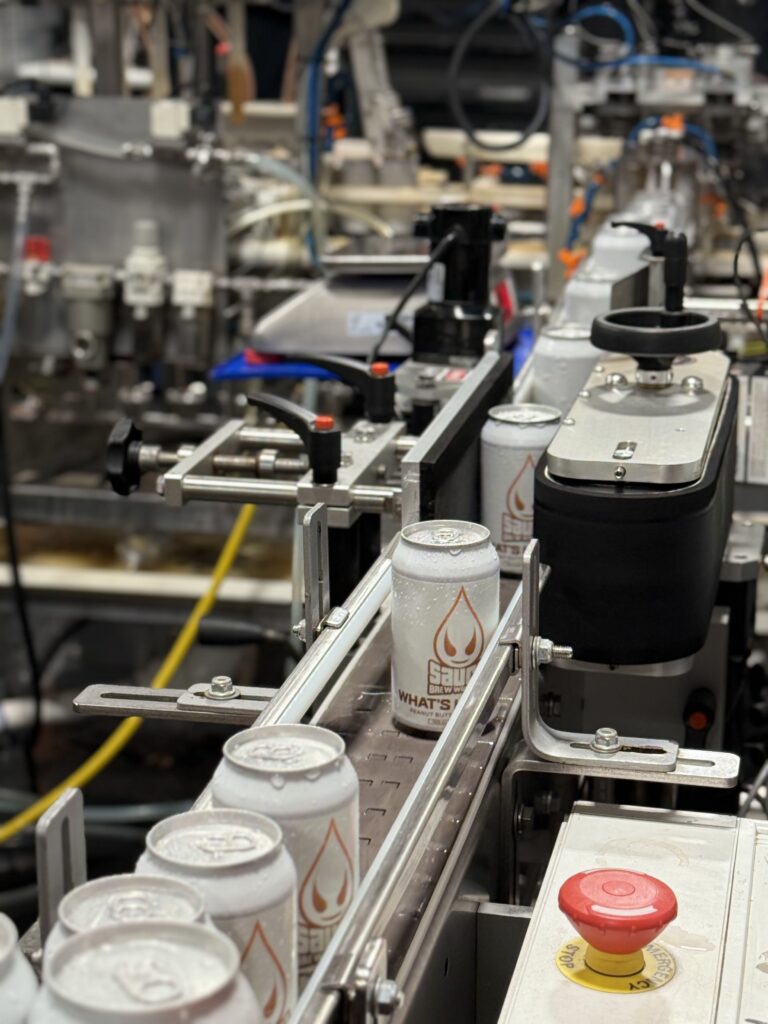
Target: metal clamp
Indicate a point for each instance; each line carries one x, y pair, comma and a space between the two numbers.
606, 747
60, 853
373, 997
218, 701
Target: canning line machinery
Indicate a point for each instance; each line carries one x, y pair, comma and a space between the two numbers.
618, 708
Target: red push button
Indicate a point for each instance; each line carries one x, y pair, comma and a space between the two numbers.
37, 247
617, 911
324, 422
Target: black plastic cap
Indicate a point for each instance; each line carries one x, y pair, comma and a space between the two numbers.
123, 449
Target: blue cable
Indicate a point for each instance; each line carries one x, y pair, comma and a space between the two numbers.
695, 131
663, 60
710, 146
313, 85
626, 25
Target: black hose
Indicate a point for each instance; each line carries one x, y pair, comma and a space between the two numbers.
454, 70
17, 589
418, 279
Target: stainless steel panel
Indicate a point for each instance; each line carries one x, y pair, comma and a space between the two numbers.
670, 428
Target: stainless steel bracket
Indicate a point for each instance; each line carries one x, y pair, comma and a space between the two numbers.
317, 588
712, 768
60, 853
621, 754
317, 593
192, 705
371, 997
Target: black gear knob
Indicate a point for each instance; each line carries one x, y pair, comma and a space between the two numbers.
123, 447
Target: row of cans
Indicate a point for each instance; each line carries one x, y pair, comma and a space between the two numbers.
269, 870
445, 573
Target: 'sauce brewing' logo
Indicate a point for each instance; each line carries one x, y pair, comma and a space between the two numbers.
274, 997
327, 887
516, 521
458, 644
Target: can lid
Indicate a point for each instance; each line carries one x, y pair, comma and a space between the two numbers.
569, 332
526, 415
9, 936
119, 898
445, 533
215, 839
284, 749
137, 970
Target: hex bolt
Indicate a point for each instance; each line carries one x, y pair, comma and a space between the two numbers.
222, 688
387, 997
544, 652
606, 741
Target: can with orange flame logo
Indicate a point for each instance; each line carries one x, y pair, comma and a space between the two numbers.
300, 776
512, 441
238, 862
445, 606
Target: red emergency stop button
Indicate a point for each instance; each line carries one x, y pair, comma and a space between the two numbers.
617, 911
324, 422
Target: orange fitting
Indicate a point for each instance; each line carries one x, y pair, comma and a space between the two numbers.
762, 295
577, 207
571, 260
673, 122
540, 168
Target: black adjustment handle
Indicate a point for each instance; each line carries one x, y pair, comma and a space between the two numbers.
123, 447
223, 632
656, 235
375, 383
321, 436
675, 271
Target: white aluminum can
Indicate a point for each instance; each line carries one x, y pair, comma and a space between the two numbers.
445, 606
116, 899
562, 360
239, 862
148, 972
513, 440
300, 776
18, 984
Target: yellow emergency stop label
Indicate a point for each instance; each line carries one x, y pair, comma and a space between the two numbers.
658, 969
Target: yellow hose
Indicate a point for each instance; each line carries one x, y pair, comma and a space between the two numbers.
125, 732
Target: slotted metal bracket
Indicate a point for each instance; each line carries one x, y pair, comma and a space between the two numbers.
192, 705
60, 853
627, 754
317, 587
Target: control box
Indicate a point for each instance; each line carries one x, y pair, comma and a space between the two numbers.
710, 964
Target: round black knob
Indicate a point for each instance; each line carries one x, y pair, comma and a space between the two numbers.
655, 336
123, 447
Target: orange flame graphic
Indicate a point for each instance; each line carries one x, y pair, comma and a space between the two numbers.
519, 508
459, 639
327, 887
275, 994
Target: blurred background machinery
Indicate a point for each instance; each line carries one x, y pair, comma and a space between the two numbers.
289, 254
